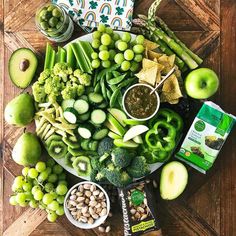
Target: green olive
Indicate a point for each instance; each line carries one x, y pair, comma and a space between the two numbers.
42, 13
44, 25
56, 12
61, 18
46, 16
53, 21
59, 24
51, 7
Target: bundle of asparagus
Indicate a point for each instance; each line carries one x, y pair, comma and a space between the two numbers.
155, 29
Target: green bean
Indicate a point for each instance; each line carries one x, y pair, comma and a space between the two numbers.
97, 88
109, 94
120, 98
126, 83
103, 88
113, 87
108, 76
103, 72
95, 80
117, 80
115, 73
114, 97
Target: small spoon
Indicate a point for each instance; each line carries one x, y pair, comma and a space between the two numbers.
163, 80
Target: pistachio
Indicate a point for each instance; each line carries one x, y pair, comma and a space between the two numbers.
80, 199
98, 205
103, 212
81, 188
132, 211
72, 197
101, 229
140, 209
90, 220
95, 216
143, 217
73, 191
79, 194
108, 229
96, 192
84, 209
83, 219
87, 186
93, 188
88, 193
93, 203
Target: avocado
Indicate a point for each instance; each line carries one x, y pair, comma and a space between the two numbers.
22, 66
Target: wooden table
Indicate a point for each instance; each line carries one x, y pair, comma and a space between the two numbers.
208, 207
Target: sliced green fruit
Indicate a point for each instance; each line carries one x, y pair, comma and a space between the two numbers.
133, 122
138, 139
128, 144
135, 131
51, 138
71, 141
68, 161
114, 125
82, 166
71, 115
22, 67
57, 149
100, 134
174, 178
75, 151
119, 115
114, 135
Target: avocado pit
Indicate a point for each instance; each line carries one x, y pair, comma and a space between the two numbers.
24, 64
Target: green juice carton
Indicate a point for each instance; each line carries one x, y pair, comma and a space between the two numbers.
206, 137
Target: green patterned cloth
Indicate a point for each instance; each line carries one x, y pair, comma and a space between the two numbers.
89, 13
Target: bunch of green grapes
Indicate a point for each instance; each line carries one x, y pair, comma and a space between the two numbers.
112, 48
42, 186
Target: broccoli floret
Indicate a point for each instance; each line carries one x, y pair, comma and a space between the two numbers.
73, 79
77, 73
44, 75
38, 92
97, 176
121, 157
53, 85
69, 92
138, 167
105, 146
117, 177
62, 70
93, 175
80, 90
84, 78
96, 164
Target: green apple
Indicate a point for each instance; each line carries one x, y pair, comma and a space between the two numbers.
201, 83
20, 110
27, 150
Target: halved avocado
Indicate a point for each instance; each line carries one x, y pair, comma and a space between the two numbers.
22, 66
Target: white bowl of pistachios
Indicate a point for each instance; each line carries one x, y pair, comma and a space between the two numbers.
86, 205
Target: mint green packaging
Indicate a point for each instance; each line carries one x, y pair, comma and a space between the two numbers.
206, 137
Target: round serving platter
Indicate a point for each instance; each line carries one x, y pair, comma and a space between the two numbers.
153, 167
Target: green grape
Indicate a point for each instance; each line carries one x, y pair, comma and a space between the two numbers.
29, 196
48, 187
47, 198
96, 63
126, 37
33, 204
12, 200
96, 43
40, 166
125, 66
49, 170
19, 181
60, 211
138, 48
52, 178
104, 55
116, 36
50, 162
106, 64
54, 205
15, 187
33, 173
23, 204
62, 182
20, 198
61, 189
122, 46
35, 188
138, 58
57, 169
25, 171
52, 216
27, 186
62, 176
132, 43
35, 182
43, 176
134, 66
54, 194
112, 44
129, 55
94, 55
112, 54
106, 39
42, 206
109, 30
119, 58
117, 42
140, 39
103, 48
96, 35
38, 195
101, 28
60, 199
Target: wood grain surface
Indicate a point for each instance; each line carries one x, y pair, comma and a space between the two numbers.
208, 206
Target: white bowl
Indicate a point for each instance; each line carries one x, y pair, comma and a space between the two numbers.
149, 117
97, 222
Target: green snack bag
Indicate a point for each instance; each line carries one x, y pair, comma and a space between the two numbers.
206, 137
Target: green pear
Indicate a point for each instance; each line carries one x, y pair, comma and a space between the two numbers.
27, 150
20, 110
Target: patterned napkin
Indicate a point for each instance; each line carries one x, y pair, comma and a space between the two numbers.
89, 13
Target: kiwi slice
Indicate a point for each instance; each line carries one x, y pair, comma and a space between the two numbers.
82, 166
75, 152
53, 137
68, 161
71, 141
57, 149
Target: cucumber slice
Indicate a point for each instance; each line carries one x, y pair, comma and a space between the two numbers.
114, 125
133, 122
114, 135
119, 115
134, 131
98, 116
71, 115
100, 134
138, 139
81, 106
84, 116
67, 103
128, 144
95, 98
85, 131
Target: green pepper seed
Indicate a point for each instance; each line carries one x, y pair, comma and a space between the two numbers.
53, 21
56, 13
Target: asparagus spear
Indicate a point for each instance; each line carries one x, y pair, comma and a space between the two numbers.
171, 34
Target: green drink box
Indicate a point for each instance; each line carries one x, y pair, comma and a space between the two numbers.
206, 137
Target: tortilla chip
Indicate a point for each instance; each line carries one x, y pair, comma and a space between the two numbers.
158, 78
171, 85
146, 53
150, 45
150, 63
172, 60
148, 75
169, 97
166, 62
153, 55
176, 101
